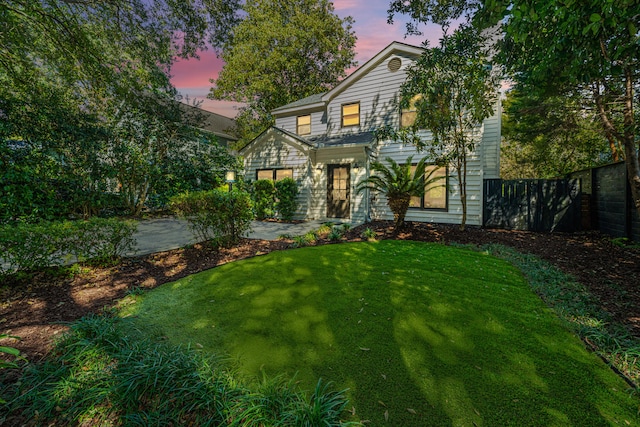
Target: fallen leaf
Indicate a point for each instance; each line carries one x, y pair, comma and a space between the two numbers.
364, 349
412, 411
353, 411
199, 345
384, 376
386, 415
382, 403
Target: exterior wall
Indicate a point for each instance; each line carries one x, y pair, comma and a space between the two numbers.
453, 213
274, 152
377, 92
491, 144
356, 158
318, 123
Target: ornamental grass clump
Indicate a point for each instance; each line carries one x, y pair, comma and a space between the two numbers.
102, 372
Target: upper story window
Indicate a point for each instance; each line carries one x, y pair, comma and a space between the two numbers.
274, 174
303, 125
351, 114
408, 115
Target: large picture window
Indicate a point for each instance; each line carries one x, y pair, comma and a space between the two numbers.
303, 125
435, 196
274, 174
351, 114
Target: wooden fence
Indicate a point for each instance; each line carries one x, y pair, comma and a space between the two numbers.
532, 204
607, 204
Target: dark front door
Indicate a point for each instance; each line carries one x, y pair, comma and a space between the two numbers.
338, 191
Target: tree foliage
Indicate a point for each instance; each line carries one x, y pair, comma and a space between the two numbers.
562, 46
282, 52
549, 136
453, 89
84, 87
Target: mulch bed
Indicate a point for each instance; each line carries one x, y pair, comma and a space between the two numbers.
38, 309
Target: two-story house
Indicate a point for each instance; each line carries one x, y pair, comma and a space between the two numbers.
326, 143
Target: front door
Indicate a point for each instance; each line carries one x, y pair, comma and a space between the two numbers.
338, 191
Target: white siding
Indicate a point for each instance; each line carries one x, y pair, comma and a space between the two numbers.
377, 93
453, 213
275, 153
491, 145
318, 123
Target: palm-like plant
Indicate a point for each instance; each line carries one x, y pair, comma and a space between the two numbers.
398, 183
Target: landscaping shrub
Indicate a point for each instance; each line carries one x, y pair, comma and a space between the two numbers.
219, 216
33, 246
264, 198
97, 374
287, 198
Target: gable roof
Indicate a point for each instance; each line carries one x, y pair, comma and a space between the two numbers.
322, 99
290, 137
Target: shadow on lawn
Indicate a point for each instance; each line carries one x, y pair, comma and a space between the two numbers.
420, 334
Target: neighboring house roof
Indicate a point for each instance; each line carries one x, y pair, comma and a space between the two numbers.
211, 122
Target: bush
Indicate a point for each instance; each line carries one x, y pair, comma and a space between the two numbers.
218, 216
264, 198
34, 246
287, 195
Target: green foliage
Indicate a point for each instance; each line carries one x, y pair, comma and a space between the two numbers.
453, 88
282, 52
287, 198
34, 246
85, 86
548, 137
218, 216
398, 184
369, 234
558, 47
101, 372
335, 234
264, 198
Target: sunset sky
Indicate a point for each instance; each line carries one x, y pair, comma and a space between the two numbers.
191, 78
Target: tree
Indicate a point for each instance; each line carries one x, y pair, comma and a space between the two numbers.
399, 183
560, 46
592, 46
282, 52
453, 89
549, 136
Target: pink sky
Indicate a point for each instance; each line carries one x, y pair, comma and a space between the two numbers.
191, 77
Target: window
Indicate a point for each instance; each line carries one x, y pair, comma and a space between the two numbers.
435, 196
408, 115
303, 125
274, 174
351, 114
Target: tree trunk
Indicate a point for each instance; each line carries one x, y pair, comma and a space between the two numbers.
399, 206
630, 146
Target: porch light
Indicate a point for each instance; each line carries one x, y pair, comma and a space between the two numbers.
230, 178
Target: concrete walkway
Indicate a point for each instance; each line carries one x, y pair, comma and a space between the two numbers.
163, 234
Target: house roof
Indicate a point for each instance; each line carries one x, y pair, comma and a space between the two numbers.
296, 139
304, 102
322, 99
362, 138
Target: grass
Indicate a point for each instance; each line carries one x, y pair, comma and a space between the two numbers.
420, 334
102, 373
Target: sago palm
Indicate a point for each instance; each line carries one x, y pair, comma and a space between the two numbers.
398, 183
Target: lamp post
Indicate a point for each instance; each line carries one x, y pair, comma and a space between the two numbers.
230, 177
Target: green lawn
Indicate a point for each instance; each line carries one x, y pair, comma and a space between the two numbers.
420, 334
